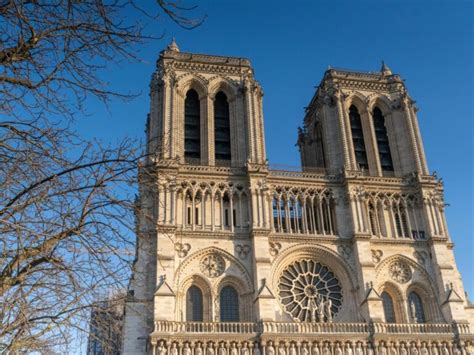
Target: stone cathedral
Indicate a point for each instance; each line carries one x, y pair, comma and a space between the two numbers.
351, 255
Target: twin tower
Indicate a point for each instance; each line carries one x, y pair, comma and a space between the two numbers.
349, 255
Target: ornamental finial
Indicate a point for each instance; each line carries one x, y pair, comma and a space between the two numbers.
173, 47
385, 69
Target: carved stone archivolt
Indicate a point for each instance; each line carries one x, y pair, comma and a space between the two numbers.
212, 265
400, 272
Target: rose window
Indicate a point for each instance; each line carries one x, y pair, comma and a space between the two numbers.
310, 292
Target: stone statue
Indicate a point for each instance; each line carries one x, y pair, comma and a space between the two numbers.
281, 350
210, 349
234, 350
359, 350
349, 349
403, 350
423, 350
434, 350
456, 350
392, 350
383, 349
186, 349
245, 349
315, 349
174, 349
256, 349
338, 350
161, 350
328, 306
414, 350
370, 349
413, 311
313, 308
326, 350
270, 349
292, 349
304, 349
198, 349
444, 350
222, 350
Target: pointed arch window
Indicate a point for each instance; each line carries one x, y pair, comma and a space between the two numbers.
221, 127
381, 137
192, 126
358, 138
318, 139
416, 308
388, 309
194, 306
373, 219
229, 304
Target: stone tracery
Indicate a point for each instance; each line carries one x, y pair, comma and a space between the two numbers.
309, 291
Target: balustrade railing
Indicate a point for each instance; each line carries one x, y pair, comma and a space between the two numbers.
308, 328
205, 327
427, 328
278, 327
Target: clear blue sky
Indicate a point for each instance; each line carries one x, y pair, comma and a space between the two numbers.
291, 43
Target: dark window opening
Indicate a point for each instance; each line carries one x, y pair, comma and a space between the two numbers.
221, 127
381, 136
192, 126
194, 307
229, 304
388, 309
358, 138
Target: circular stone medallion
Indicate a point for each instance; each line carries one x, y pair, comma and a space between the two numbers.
212, 265
400, 272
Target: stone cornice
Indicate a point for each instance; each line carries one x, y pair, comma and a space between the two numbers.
402, 241
206, 58
217, 234
308, 238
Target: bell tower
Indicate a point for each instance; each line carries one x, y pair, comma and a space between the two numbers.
361, 121
206, 110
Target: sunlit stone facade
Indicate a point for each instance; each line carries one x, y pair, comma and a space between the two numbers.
350, 256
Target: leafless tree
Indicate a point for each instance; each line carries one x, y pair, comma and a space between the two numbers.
66, 205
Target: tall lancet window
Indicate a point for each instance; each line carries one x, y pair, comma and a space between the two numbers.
192, 126
388, 309
221, 127
194, 307
358, 138
416, 308
229, 304
382, 140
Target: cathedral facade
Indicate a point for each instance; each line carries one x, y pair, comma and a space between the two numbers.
349, 256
